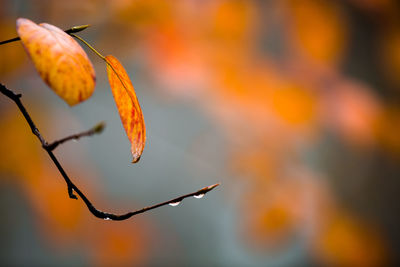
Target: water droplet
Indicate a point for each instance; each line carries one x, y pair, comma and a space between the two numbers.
107, 219
199, 196
174, 204
75, 140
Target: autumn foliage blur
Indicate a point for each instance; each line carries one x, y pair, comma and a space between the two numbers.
305, 94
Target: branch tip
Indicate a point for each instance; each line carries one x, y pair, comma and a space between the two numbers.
208, 188
98, 128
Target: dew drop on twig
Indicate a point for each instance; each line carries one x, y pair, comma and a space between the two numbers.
174, 204
199, 196
107, 219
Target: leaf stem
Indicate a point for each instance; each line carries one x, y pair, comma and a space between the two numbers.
104, 58
88, 45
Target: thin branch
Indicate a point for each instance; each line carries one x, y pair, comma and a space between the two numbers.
10, 40
72, 30
97, 129
72, 187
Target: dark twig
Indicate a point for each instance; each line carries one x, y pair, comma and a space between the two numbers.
95, 130
69, 31
72, 187
10, 40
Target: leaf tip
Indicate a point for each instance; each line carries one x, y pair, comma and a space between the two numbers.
136, 158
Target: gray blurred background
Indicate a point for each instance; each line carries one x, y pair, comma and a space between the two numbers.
292, 105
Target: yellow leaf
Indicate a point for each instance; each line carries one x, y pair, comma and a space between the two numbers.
128, 106
60, 61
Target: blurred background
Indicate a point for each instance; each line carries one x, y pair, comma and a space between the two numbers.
292, 105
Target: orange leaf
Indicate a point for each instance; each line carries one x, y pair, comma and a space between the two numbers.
59, 59
128, 106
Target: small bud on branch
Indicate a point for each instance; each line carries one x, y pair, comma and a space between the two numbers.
97, 129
